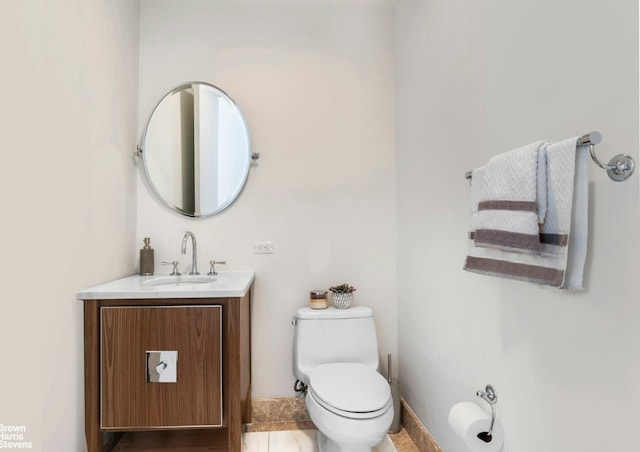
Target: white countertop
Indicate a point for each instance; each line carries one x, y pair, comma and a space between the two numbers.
227, 284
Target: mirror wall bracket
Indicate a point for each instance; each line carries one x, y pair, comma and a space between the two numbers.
138, 154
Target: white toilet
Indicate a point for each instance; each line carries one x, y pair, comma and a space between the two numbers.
335, 353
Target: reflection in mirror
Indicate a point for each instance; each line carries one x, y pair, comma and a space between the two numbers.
196, 150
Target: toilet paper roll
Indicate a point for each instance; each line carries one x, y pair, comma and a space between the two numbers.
468, 419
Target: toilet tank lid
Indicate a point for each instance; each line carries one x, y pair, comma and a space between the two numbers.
355, 312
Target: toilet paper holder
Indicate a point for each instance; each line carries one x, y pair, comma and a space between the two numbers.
488, 395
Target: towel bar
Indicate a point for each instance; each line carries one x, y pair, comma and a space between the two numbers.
620, 167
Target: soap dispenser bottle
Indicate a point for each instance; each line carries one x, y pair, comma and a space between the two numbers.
146, 258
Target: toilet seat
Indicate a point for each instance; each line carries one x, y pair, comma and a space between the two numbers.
351, 390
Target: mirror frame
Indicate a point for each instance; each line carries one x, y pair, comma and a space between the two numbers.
143, 154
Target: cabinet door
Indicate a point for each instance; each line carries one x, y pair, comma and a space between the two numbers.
128, 399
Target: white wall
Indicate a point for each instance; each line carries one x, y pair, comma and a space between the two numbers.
315, 84
475, 79
68, 109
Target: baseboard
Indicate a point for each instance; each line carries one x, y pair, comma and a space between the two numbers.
287, 413
417, 431
290, 413
284, 413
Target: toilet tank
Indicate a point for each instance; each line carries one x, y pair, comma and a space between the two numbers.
333, 335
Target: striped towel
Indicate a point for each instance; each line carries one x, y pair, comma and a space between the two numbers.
505, 200
559, 260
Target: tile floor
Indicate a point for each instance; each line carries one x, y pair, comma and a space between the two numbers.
293, 441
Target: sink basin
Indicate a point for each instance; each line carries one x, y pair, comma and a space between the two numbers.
182, 281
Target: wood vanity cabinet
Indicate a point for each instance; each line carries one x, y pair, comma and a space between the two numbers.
203, 409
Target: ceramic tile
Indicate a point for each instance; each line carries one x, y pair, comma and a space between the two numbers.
385, 445
293, 441
304, 440
255, 442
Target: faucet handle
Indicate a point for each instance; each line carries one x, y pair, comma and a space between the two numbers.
175, 271
212, 270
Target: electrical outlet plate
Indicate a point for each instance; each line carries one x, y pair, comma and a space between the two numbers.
263, 247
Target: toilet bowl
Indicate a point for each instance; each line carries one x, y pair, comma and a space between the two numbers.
335, 354
351, 406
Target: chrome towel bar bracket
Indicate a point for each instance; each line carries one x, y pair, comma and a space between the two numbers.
619, 168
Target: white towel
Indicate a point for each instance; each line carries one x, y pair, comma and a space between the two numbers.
505, 211
563, 234
568, 208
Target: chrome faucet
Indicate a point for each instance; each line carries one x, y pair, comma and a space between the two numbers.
194, 251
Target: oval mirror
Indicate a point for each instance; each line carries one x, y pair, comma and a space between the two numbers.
196, 150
